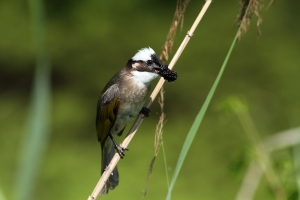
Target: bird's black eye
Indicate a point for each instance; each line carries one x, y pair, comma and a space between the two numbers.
149, 62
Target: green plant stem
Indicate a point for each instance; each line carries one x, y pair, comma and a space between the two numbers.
37, 129
198, 120
261, 154
297, 166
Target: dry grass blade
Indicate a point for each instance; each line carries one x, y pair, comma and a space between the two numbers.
164, 56
158, 140
250, 7
177, 20
270, 3
159, 126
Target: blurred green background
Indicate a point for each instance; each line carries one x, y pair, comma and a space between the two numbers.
91, 40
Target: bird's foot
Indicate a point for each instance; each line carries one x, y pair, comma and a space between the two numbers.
145, 111
121, 150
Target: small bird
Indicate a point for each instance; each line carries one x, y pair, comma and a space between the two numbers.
121, 101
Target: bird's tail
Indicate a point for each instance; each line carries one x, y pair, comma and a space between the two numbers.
113, 180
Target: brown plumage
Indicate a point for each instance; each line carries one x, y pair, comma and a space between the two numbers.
121, 100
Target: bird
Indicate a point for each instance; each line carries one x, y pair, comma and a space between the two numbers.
121, 100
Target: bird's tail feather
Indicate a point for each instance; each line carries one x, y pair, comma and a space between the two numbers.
113, 180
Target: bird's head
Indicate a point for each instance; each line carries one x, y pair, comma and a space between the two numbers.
147, 66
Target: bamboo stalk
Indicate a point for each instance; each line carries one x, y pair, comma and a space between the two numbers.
140, 118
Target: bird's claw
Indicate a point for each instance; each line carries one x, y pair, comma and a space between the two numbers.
121, 150
145, 111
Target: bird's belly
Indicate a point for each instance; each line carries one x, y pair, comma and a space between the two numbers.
125, 115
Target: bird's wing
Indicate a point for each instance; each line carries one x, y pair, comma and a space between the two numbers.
107, 109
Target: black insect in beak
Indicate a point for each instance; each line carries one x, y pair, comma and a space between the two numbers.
167, 74
163, 70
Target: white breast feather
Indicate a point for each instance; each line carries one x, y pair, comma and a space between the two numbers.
143, 77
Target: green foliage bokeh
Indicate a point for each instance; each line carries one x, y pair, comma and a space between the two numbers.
91, 40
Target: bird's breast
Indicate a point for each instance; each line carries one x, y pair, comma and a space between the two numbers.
132, 98
133, 92
131, 101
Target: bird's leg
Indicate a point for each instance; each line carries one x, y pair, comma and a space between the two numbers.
145, 111
119, 149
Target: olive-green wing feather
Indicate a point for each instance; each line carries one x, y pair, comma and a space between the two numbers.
107, 109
